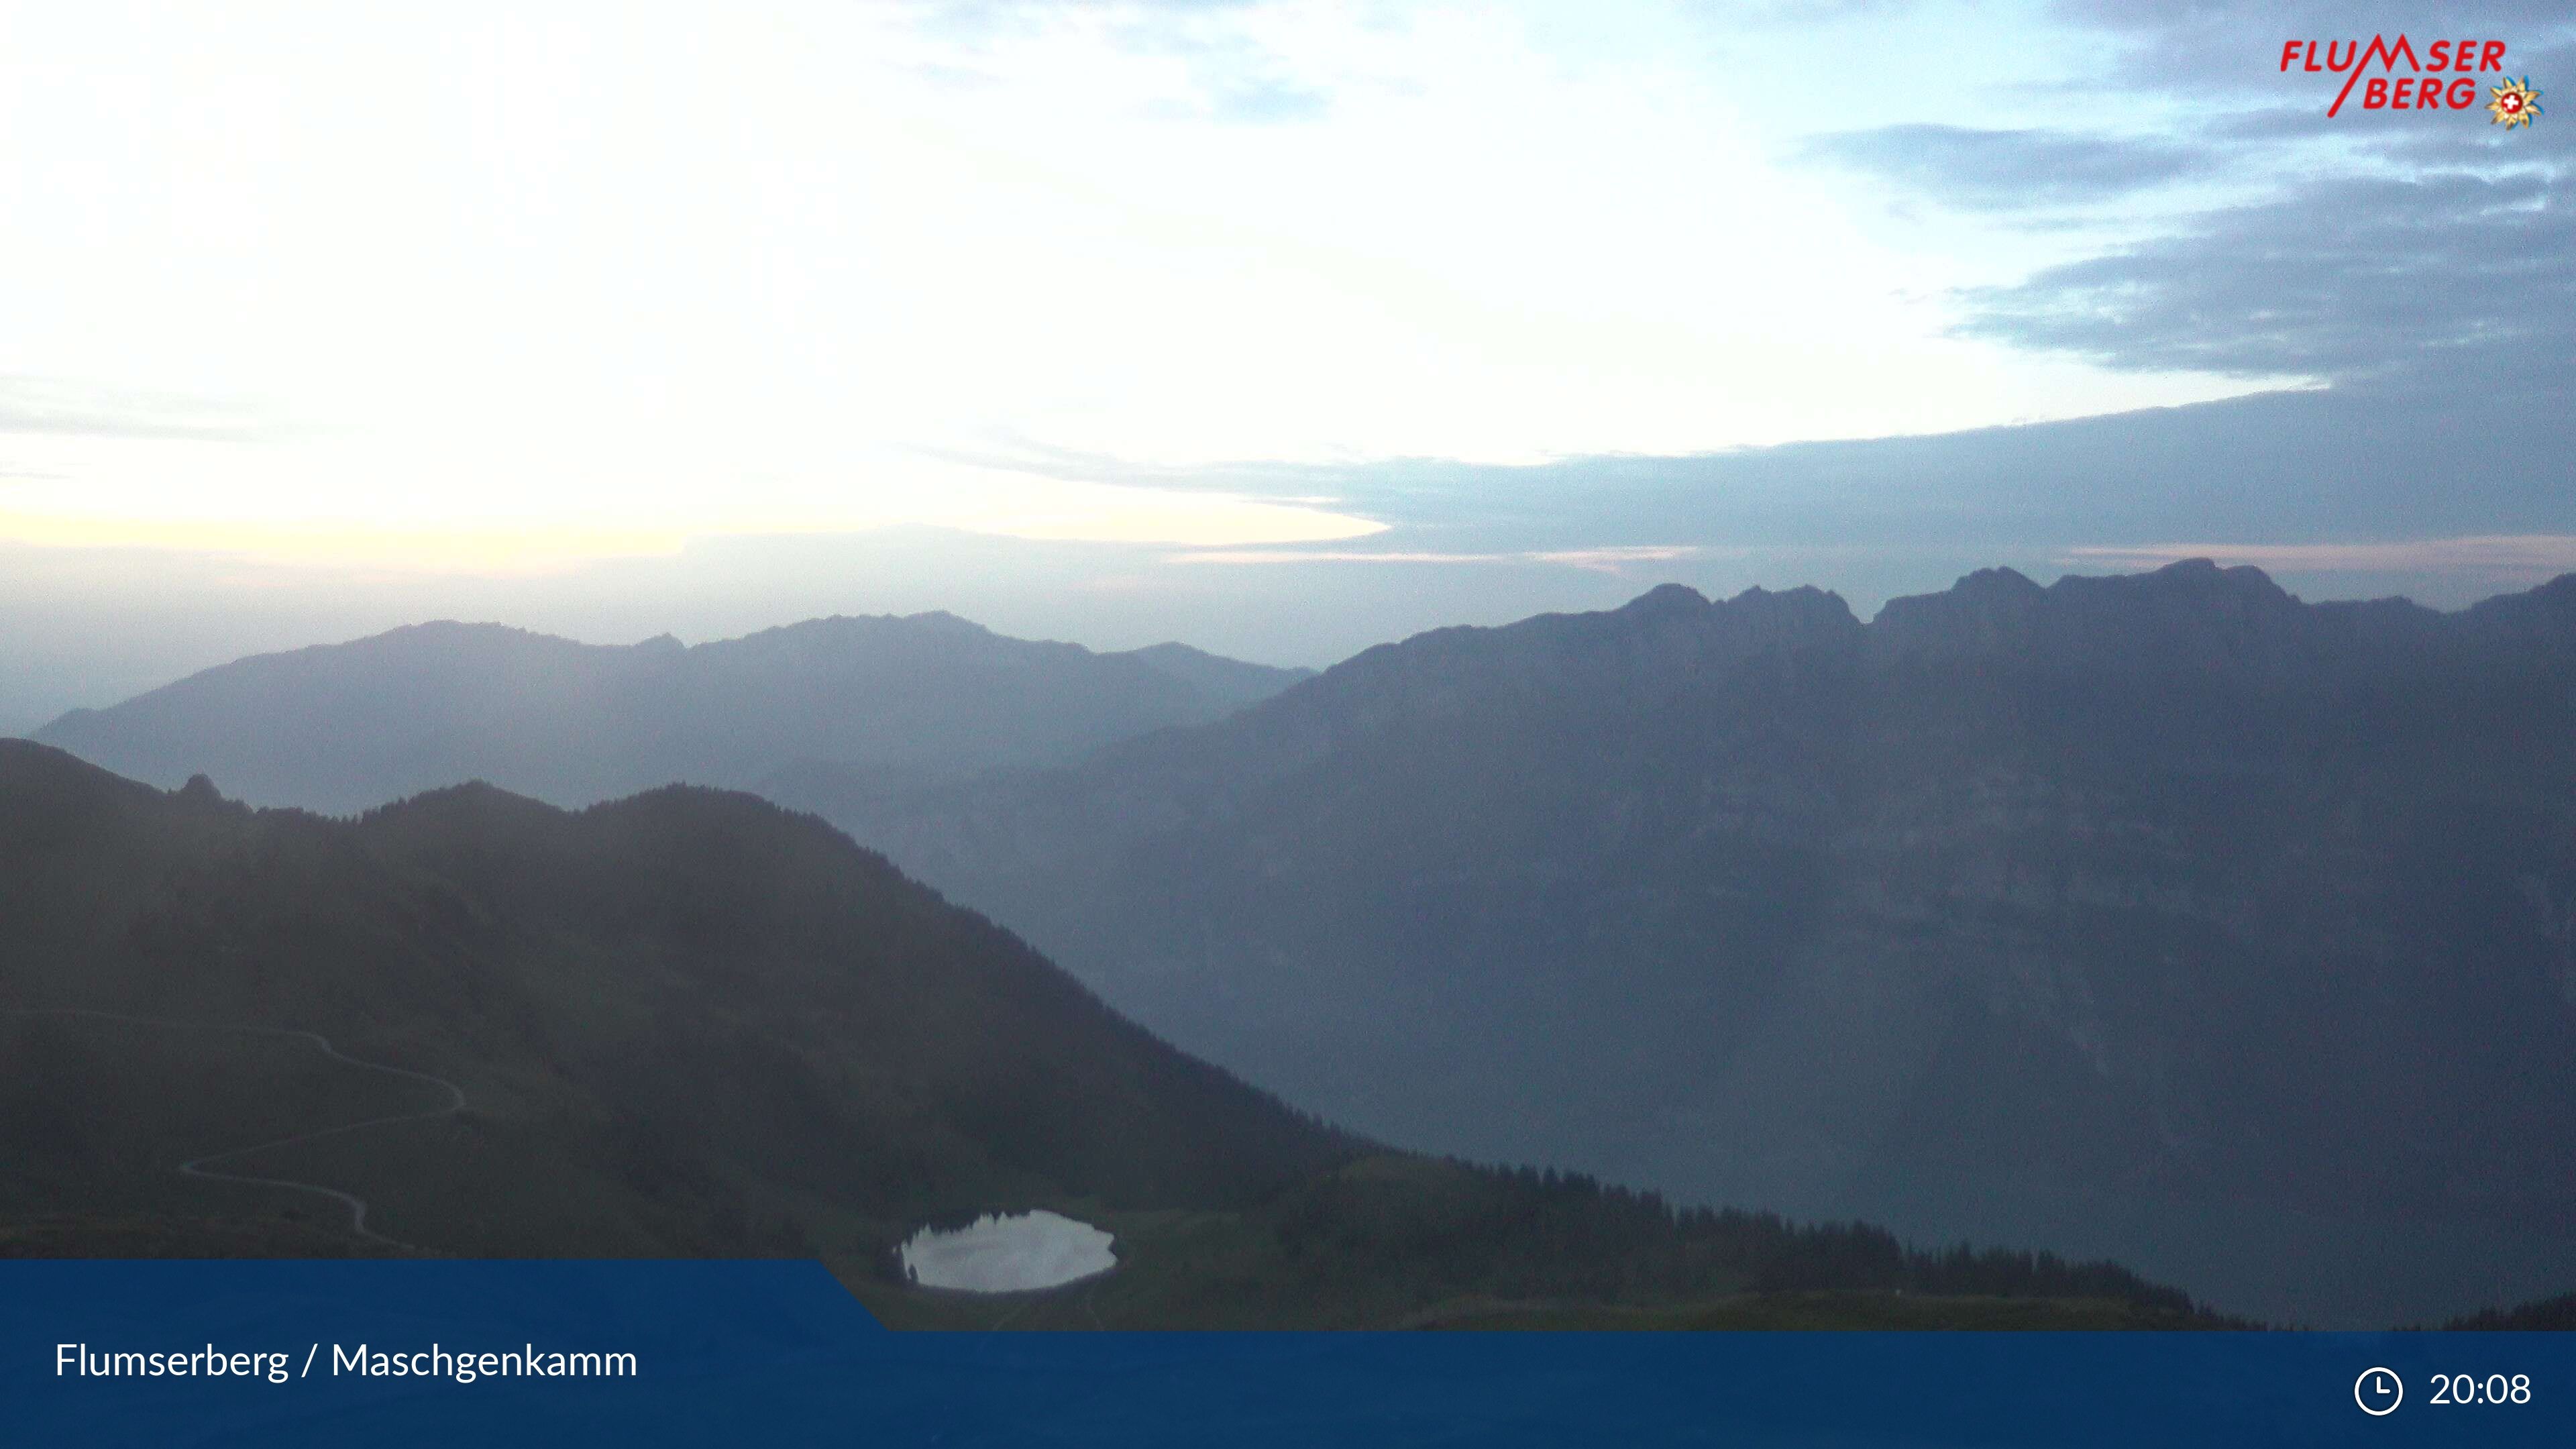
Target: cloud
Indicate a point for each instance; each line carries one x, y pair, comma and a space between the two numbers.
2529, 553
1233, 77
1607, 559
2445, 276
41, 405
2007, 170
1263, 100
1877, 518
2422, 247
2214, 46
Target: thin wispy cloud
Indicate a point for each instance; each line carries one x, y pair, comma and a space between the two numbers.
2542, 554
86, 410
2008, 170
1612, 560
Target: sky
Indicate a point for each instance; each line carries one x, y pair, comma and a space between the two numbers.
1282, 329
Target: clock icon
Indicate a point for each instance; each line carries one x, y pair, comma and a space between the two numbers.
2378, 1392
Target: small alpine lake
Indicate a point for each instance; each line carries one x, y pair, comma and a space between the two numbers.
1019, 1253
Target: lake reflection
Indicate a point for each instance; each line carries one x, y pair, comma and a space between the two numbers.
1008, 1254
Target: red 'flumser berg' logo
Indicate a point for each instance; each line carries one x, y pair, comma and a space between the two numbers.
2445, 77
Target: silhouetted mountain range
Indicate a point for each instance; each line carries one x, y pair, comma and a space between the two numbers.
2161, 916
690, 1022
827, 708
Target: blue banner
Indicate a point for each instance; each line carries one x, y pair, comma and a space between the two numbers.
746, 1353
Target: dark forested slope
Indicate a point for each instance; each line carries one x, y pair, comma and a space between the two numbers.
690, 1022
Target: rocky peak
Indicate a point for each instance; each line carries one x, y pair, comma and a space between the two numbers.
1803, 615
1990, 611
2191, 615
1665, 601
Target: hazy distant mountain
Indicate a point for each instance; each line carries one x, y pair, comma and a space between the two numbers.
2162, 916
690, 1022
824, 708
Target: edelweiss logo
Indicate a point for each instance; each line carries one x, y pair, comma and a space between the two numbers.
2442, 78
2514, 105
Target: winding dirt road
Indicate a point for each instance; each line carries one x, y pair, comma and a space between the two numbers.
197, 1167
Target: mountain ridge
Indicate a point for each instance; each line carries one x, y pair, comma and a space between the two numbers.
341, 727
1997, 609
2054, 876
